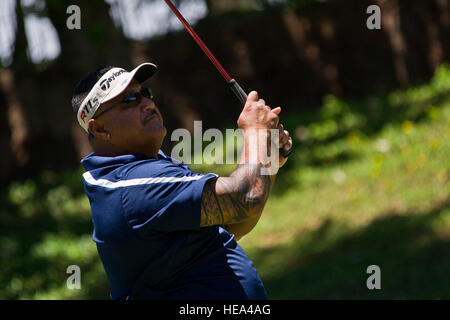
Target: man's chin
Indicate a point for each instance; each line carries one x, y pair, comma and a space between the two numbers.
161, 131
160, 135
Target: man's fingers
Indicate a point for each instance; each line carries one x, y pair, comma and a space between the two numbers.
283, 133
252, 96
283, 138
285, 141
288, 145
276, 110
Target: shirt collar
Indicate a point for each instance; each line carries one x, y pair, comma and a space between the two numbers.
93, 161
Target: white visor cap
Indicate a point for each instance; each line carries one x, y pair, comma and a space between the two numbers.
109, 86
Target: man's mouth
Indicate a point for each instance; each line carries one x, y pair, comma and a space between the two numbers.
151, 117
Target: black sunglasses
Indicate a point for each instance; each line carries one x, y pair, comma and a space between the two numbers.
131, 101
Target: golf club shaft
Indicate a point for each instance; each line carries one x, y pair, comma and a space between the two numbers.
199, 41
235, 87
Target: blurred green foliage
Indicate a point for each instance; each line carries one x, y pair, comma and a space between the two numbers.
375, 191
45, 227
327, 136
368, 184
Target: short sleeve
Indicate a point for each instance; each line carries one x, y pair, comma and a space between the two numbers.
163, 196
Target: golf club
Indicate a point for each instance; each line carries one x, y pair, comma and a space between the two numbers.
235, 87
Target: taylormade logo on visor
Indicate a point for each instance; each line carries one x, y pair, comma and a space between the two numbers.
105, 84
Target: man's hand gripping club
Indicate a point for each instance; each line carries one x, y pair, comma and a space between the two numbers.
237, 201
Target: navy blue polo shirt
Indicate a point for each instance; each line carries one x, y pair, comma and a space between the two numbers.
146, 216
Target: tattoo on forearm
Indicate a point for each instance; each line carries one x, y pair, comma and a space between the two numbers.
231, 199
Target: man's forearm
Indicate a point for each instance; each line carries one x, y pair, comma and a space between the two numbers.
237, 201
259, 182
242, 195
253, 168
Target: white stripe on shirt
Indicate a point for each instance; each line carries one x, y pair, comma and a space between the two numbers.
135, 182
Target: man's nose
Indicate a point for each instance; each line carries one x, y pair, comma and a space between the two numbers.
147, 105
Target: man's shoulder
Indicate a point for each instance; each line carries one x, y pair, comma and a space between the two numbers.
155, 168
132, 170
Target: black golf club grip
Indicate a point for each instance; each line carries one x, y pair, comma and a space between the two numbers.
242, 96
238, 91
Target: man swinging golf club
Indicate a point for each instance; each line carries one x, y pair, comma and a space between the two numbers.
163, 231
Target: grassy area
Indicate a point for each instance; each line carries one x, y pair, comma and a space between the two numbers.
368, 185
388, 207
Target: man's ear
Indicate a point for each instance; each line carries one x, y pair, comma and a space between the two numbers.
97, 129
